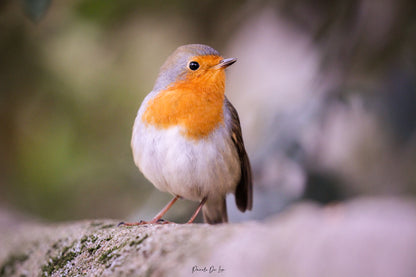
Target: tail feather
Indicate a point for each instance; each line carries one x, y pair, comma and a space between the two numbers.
215, 212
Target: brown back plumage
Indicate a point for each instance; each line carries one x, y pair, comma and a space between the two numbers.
244, 190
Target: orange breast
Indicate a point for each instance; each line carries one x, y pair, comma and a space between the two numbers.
195, 103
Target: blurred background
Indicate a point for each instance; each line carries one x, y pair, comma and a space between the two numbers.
326, 93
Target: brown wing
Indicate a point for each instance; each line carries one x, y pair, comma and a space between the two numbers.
244, 190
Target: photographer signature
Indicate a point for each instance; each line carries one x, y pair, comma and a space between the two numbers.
211, 269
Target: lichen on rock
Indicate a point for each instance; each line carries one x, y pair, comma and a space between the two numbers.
371, 237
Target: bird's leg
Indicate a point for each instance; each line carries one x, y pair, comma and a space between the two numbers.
197, 210
157, 218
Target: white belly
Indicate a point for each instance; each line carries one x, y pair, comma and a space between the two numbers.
188, 168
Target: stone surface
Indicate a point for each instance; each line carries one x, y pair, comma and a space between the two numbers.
364, 237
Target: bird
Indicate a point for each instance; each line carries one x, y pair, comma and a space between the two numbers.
187, 137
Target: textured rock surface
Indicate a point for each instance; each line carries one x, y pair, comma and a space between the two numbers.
366, 237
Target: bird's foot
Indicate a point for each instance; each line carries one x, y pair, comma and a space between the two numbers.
141, 222
162, 221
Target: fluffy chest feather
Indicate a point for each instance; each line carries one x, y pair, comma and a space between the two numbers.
189, 168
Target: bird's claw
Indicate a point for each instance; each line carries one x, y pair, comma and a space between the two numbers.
162, 221
141, 222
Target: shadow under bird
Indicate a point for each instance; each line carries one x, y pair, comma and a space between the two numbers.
187, 137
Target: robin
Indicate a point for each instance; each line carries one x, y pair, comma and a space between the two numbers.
187, 137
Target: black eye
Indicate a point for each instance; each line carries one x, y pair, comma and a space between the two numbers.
193, 65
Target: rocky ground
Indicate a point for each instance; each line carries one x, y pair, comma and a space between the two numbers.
364, 237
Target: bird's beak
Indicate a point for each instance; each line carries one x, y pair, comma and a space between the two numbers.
225, 63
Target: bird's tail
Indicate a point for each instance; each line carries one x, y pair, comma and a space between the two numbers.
215, 211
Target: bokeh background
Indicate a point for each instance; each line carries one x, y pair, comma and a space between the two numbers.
326, 92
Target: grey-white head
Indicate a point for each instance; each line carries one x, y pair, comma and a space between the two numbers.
180, 62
